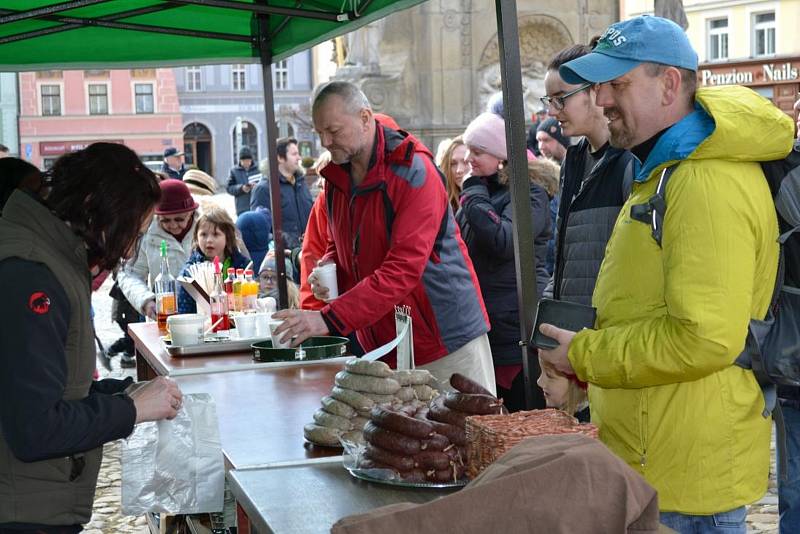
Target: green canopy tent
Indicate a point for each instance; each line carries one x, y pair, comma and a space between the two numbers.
84, 34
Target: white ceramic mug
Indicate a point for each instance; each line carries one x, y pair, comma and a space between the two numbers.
186, 328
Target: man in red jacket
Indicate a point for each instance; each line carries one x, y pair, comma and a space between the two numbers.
395, 242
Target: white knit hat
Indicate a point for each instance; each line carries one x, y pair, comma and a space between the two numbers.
487, 133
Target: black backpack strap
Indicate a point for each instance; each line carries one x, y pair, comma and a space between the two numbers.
653, 211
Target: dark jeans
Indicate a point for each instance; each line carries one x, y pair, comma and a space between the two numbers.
789, 491
730, 522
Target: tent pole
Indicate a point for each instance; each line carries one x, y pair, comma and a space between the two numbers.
527, 296
262, 32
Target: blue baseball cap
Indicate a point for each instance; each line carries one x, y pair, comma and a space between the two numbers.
627, 44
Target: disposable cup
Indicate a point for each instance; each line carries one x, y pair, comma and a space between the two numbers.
276, 338
262, 324
326, 277
186, 329
246, 325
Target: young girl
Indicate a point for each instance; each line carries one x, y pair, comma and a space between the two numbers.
214, 235
562, 393
268, 281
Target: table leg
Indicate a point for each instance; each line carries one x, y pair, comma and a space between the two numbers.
143, 369
242, 521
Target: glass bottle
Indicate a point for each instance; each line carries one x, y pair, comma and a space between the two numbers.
219, 302
165, 292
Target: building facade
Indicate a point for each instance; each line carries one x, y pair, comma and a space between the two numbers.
223, 110
753, 43
9, 106
64, 111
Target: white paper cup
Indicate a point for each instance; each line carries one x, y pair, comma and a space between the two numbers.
262, 324
276, 339
326, 277
186, 329
246, 325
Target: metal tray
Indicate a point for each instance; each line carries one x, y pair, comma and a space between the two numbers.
364, 475
316, 348
211, 346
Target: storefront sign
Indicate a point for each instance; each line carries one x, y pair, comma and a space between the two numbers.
752, 74
56, 148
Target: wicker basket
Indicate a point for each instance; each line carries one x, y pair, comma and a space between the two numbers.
490, 436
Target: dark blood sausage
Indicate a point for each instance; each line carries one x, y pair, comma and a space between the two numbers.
436, 442
399, 462
465, 385
451, 432
440, 475
432, 460
391, 441
439, 412
472, 403
422, 413
414, 475
366, 463
400, 423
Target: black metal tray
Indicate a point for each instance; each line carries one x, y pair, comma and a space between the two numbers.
316, 348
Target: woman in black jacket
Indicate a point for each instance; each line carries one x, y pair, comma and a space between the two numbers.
485, 219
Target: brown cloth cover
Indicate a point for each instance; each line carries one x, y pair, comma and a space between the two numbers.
566, 483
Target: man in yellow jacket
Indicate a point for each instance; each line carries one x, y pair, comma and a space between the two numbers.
672, 319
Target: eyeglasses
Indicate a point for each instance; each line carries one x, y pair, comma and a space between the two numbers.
558, 101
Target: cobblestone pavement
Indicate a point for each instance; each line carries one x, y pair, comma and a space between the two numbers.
107, 519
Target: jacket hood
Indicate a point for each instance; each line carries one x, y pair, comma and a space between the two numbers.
731, 123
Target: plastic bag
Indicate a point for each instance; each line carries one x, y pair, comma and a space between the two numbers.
175, 467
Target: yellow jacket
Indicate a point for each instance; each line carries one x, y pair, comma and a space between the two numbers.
672, 320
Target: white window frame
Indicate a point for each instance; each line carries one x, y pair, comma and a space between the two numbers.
722, 35
765, 27
89, 99
280, 75
238, 70
194, 79
60, 85
152, 84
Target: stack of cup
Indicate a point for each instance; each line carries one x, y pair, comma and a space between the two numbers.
326, 277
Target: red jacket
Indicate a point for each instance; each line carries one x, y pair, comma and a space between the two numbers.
395, 242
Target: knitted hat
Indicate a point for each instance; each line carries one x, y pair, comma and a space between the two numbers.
175, 198
487, 133
245, 153
551, 127
256, 230
200, 183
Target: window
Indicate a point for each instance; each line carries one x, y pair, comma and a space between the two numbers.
98, 99
193, 79
717, 39
764, 34
144, 97
281, 77
238, 77
51, 99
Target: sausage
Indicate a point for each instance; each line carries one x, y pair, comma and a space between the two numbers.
354, 399
354, 437
398, 461
473, 404
366, 463
436, 442
406, 394
432, 460
414, 377
391, 441
453, 433
439, 412
440, 475
358, 422
414, 475
424, 392
370, 384
336, 407
323, 418
466, 385
400, 423
422, 413
321, 435
378, 398
366, 367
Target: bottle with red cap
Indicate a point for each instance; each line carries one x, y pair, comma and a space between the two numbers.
228, 286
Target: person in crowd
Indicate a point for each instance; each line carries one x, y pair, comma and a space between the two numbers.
597, 179
673, 317
545, 173
200, 184
789, 397
173, 166
255, 227
397, 244
58, 230
538, 118
486, 225
296, 199
214, 235
553, 143
12, 172
562, 392
4, 152
240, 183
174, 223
268, 280
454, 166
